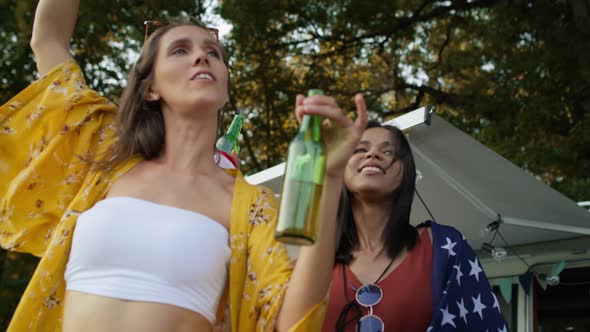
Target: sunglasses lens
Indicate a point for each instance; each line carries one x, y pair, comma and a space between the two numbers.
370, 324
369, 295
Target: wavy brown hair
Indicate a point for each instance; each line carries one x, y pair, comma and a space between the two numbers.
140, 123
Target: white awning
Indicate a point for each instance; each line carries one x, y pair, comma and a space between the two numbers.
468, 186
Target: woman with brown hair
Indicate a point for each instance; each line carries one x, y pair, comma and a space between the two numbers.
128, 209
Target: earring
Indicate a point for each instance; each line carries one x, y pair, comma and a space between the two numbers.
153, 97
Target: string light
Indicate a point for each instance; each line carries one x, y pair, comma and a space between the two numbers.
552, 280
498, 253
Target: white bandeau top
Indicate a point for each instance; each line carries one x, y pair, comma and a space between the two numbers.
132, 249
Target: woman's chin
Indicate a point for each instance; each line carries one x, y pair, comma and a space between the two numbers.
373, 192
199, 108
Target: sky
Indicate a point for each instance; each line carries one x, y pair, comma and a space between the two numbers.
216, 21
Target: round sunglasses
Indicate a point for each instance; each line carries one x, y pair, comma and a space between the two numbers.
368, 296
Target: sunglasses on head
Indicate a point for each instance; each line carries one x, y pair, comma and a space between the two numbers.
152, 25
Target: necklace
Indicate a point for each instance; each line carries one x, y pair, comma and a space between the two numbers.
353, 288
352, 305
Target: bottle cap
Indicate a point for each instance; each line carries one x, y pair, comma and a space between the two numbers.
315, 92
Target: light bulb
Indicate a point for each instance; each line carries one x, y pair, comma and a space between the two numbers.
499, 253
419, 175
552, 280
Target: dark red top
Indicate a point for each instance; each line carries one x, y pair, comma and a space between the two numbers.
407, 300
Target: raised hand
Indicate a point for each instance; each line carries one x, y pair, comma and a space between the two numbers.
340, 133
52, 30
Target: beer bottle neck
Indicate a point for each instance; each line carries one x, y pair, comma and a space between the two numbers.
235, 127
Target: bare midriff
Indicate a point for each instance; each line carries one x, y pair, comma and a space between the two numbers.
94, 313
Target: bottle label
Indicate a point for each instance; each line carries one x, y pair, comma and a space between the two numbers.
319, 170
300, 168
225, 160
305, 168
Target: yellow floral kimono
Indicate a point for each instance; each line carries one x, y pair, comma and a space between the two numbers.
45, 133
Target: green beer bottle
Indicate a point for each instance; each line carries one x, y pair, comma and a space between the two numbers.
302, 186
228, 143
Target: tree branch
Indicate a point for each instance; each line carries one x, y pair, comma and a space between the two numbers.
443, 47
405, 22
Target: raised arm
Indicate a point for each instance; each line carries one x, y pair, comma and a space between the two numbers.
310, 282
52, 30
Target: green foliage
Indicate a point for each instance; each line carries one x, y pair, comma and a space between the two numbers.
513, 74
105, 42
15, 273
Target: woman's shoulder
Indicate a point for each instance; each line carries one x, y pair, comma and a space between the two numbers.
63, 87
258, 202
242, 185
423, 228
64, 78
440, 230
66, 66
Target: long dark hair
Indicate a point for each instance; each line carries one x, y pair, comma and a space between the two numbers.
399, 234
140, 123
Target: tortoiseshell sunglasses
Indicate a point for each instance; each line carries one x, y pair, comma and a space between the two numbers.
153, 25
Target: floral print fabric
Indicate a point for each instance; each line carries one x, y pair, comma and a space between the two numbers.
48, 132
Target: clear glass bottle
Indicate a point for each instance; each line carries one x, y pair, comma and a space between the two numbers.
303, 181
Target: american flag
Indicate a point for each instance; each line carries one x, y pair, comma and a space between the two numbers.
465, 300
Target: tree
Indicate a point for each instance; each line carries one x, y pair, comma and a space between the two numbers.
503, 71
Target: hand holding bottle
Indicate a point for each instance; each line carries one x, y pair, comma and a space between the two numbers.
303, 181
311, 278
314, 153
341, 135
